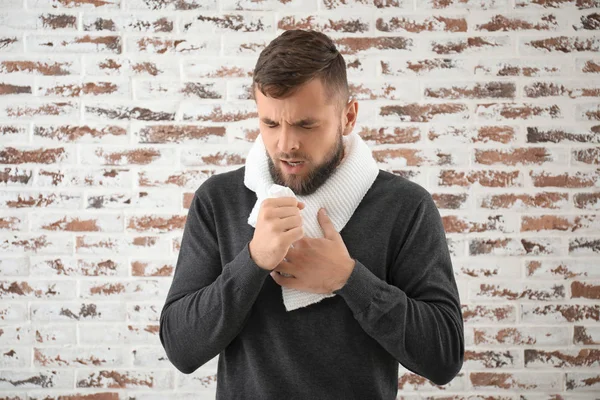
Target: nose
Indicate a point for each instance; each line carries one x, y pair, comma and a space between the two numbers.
287, 141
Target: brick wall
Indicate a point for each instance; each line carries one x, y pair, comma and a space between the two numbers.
113, 113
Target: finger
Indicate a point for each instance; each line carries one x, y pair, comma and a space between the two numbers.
326, 224
282, 201
282, 280
282, 212
285, 224
285, 267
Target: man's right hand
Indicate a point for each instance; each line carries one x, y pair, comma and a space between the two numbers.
279, 224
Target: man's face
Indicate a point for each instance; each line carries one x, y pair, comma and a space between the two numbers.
302, 127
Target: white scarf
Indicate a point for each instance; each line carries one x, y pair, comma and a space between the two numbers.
340, 195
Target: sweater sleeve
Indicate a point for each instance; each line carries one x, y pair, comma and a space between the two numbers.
417, 318
208, 303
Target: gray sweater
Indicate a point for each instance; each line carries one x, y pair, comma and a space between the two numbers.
400, 304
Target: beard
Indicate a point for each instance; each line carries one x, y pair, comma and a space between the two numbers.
309, 182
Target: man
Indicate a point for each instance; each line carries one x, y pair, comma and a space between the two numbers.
396, 299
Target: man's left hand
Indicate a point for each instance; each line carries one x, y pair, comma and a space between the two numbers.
318, 265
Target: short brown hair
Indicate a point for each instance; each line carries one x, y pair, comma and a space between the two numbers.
296, 57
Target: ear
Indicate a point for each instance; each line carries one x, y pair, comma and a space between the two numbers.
350, 115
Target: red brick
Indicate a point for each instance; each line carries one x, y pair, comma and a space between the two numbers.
55, 66
71, 88
385, 91
471, 45
537, 4
418, 25
586, 156
218, 112
479, 313
512, 291
552, 89
225, 158
582, 381
187, 200
50, 290
111, 245
572, 223
140, 289
498, 268
41, 109
515, 247
366, 4
509, 23
519, 156
460, 224
35, 243
81, 133
128, 156
491, 359
123, 24
522, 67
415, 112
572, 179
544, 200
586, 335
586, 290
562, 44
560, 135
584, 246
52, 357
183, 5
69, 311
42, 380
124, 379
75, 44
190, 179
152, 268
149, 223
323, 24
501, 111
193, 44
13, 133
411, 382
562, 358
12, 155
590, 201
81, 222
516, 381
557, 313
77, 396
97, 65
450, 201
587, 112
424, 67
389, 135
68, 177
13, 223
472, 91
486, 178
521, 336
561, 269
586, 66
360, 45
462, 4
129, 113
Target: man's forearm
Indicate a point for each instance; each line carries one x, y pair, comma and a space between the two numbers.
197, 326
425, 337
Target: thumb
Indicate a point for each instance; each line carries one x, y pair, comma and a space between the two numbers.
326, 224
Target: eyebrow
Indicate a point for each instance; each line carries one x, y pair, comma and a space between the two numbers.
304, 121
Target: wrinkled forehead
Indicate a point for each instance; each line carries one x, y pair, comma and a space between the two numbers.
309, 101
